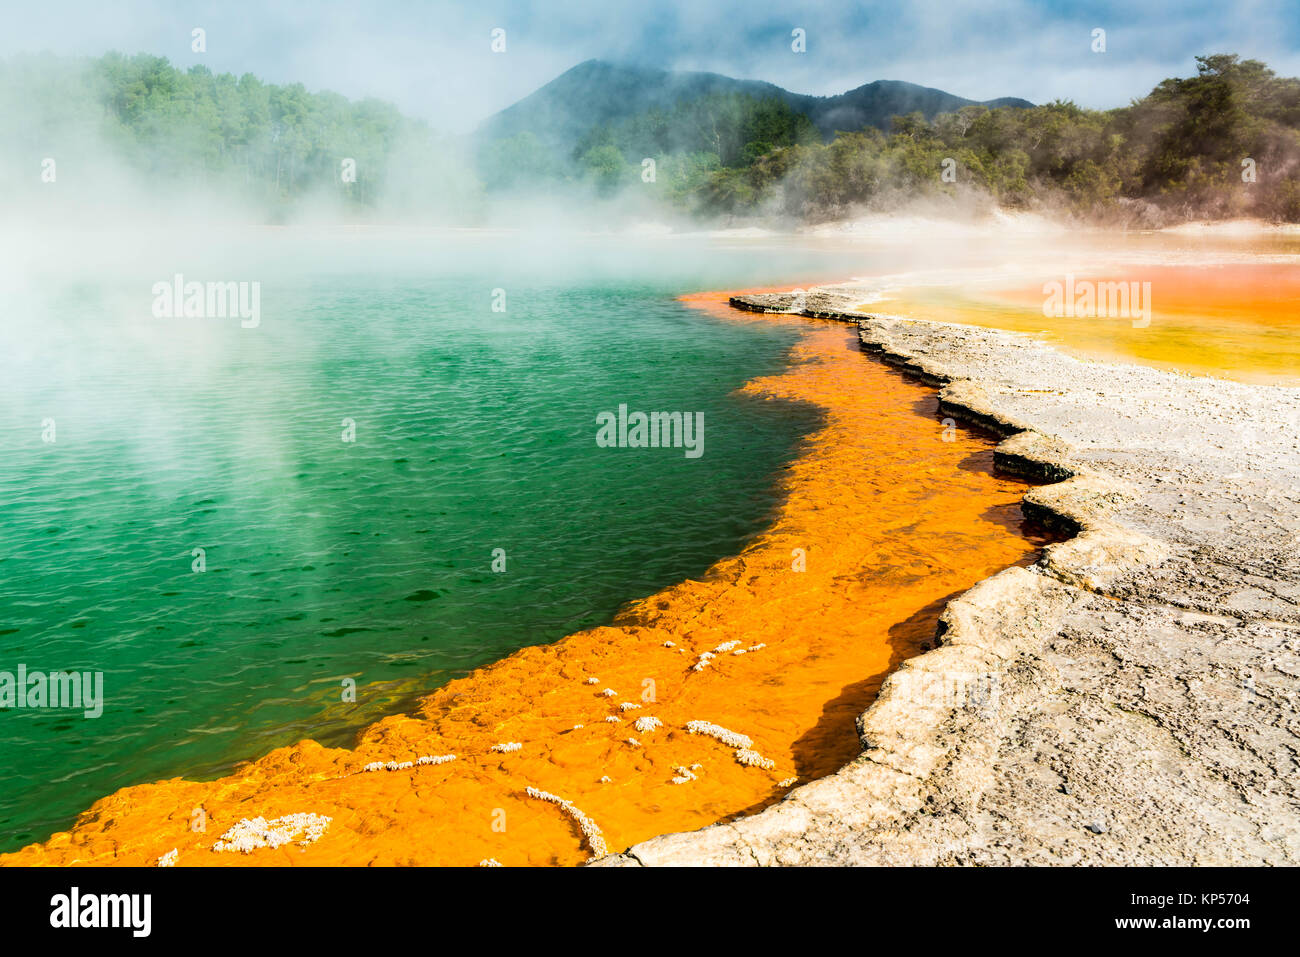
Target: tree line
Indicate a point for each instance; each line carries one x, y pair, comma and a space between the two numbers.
1222, 143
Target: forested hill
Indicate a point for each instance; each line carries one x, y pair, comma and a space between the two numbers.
1223, 142
597, 92
232, 136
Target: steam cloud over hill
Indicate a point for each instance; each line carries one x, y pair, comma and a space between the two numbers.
621, 141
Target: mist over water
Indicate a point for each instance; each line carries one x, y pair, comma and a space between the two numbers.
388, 472
325, 559
371, 560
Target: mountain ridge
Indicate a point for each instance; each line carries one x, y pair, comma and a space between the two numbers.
596, 92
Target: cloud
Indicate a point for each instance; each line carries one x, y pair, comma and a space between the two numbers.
433, 59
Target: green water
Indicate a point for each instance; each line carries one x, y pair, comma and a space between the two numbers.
326, 559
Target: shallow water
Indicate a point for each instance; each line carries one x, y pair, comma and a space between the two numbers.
1204, 311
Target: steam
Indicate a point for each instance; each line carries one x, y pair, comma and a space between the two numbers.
433, 59
436, 64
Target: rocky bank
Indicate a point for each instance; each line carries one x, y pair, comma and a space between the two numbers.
1133, 697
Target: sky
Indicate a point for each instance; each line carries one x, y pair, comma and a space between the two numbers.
434, 58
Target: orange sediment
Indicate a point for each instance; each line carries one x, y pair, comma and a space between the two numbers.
885, 516
1238, 321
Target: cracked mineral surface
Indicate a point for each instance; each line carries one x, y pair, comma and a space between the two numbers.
1145, 670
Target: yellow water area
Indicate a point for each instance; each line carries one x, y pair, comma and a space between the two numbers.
886, 516
1235, 321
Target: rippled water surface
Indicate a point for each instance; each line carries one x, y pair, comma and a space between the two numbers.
328, 560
